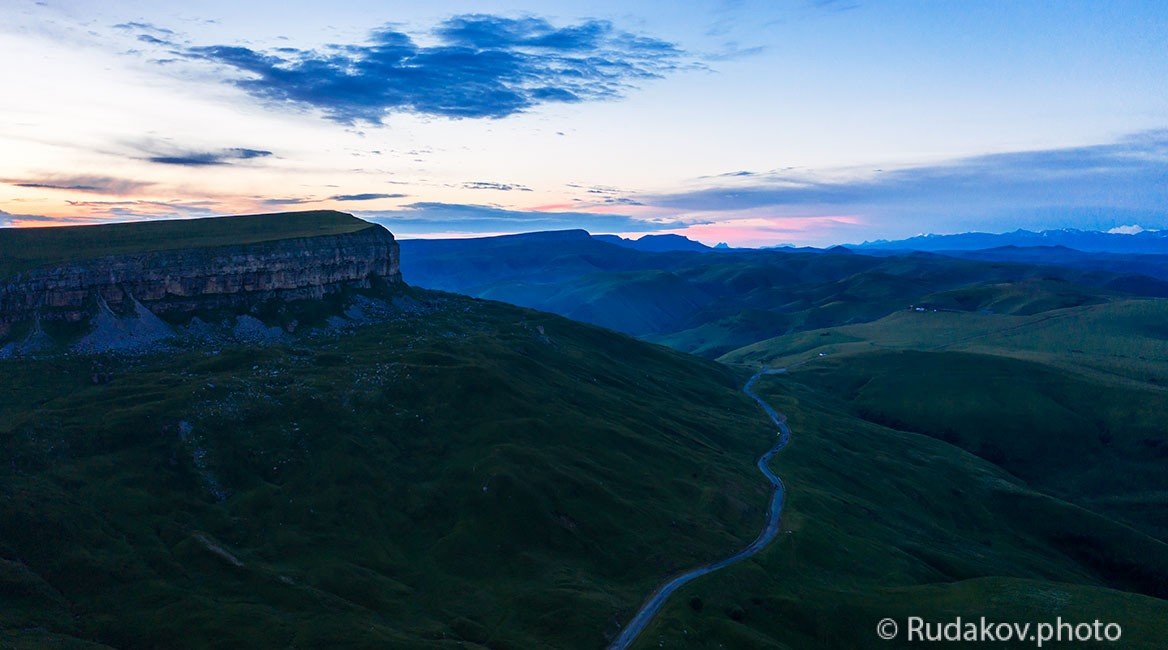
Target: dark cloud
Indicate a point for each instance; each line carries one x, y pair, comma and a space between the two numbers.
55, 186
88, 184
478, 66
288, 201
366, 197
621, 200
153, 40
487, 185
1033, 188
7, 219
431, 217
206, 158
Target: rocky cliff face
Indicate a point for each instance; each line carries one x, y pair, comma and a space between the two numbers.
178, 283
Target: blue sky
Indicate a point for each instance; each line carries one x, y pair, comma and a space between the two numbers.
807, 122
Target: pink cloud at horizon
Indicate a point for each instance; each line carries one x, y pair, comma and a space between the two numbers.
766, 231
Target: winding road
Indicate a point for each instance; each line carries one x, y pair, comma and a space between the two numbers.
769, 531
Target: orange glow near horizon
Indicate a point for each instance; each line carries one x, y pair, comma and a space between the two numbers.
735, 229
767, 231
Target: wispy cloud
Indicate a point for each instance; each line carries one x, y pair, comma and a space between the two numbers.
478, 66
143, 209
601, 195
835, 5
8, 219
366, 197
288, 201
142, 26
87, 184
1128, 177
58, 186
621, 200
207, 158
425, 218
152, 40
732, 51
502, 187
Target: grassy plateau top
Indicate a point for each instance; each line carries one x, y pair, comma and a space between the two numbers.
22, 249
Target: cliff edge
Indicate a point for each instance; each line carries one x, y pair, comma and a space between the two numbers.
158, 274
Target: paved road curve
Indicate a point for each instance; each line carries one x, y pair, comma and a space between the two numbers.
768, 534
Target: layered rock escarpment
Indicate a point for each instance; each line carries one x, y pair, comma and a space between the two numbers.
179, 283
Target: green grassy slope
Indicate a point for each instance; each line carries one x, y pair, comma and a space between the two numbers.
477, 475
711, 303
1091, 442
1123, 340
25, 248
473, 474
882, 523
1069, 400
1033, 296
636, 303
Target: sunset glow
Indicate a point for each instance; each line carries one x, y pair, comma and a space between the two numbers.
720, 122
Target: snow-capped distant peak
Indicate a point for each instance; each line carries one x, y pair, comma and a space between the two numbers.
1133, 229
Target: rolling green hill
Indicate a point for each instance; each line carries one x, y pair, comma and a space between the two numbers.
26, 248
478, 475
1062, 404
883, 523
1095, 443
1119, 340
1070, 400
712, 303
471, 473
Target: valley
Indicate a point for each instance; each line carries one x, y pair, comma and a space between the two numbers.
408, 467
712, 303
576, 325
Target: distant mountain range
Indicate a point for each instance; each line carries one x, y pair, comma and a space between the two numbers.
659, 243
1069, 240
712, 303
1141, 242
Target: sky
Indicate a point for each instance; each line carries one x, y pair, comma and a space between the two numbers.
808, 122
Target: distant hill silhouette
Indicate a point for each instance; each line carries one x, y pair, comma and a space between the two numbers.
656, 243
710, 304
1145, 242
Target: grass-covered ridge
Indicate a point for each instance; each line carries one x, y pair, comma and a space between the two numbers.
471, 473
478, 475
884, 523
27, 248
1118, 340
713, 303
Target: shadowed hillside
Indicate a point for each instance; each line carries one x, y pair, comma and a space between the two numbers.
468, 471
709, 303
882, 523
442, 471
